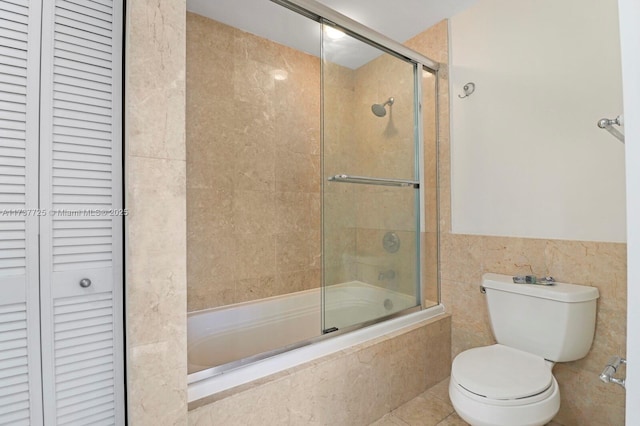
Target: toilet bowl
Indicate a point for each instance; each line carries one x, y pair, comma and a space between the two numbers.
501, 386
511, 383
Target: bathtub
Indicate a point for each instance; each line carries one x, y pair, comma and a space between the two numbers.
223, 335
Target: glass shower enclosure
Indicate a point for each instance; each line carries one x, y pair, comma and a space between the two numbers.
327, 118
372, 182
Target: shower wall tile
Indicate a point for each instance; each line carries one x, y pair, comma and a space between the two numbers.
430, 287
390, 209
390, 371
292, 211
297, 172
433, 42
207, 170
253, 166
340, 206
288, 282
255, 256
155, 244
384, 145
315, 212
254, 212
431, 209
293, 252
373, 259
340, 157
209, 204
295, 138
203, 297
256, 288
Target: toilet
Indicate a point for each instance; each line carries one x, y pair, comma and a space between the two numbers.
511, 383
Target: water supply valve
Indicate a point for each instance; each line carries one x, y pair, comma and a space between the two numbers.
610, 369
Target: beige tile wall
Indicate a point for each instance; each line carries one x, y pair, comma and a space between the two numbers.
464, 258
253, 166
340, 156
155, 241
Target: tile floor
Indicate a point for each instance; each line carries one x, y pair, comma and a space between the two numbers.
431, 408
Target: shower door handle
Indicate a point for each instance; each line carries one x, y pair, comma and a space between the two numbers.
364, 180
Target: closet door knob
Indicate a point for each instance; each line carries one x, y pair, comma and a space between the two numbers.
85, 282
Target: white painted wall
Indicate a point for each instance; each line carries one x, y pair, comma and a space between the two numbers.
527, 157
630, 40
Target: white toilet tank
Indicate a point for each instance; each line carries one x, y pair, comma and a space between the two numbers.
555, 322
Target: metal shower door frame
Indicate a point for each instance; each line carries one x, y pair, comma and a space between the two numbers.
327, 16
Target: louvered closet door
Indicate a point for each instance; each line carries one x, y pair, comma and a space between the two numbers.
80, 148
20, 386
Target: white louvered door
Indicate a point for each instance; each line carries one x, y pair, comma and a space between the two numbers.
20, 384
61, 344
80, 156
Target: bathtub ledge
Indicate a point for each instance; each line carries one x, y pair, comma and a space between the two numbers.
211, 389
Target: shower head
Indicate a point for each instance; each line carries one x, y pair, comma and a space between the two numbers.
379, 109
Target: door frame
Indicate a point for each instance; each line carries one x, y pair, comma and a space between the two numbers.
629, 12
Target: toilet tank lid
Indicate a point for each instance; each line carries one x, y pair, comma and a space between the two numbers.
562, 292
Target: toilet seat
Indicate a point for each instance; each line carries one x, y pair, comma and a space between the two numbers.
502, 386
501, 373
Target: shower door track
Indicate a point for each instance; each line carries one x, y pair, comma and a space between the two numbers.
319, 12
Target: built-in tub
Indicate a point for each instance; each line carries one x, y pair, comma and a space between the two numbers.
222, 335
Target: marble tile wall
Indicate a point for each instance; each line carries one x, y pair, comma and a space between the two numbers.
155, 243
353, 387
464, 258
339, 157
253, 166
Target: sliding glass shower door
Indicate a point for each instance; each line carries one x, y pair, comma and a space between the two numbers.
371, 182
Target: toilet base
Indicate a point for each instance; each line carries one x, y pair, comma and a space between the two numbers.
479, 411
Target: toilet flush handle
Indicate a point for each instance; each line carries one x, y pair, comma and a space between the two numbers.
482, 289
